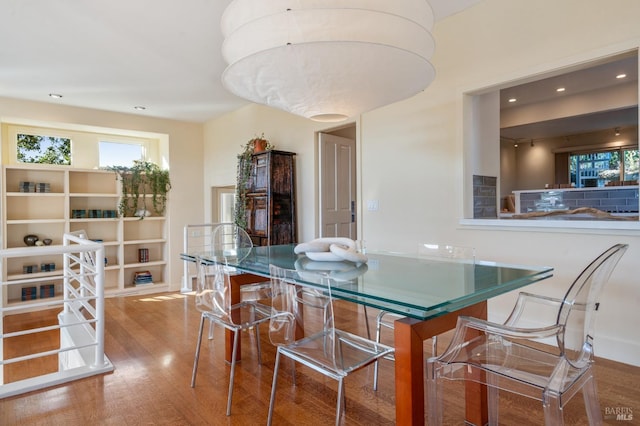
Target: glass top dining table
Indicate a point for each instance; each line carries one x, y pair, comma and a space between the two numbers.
430, 294
411, 286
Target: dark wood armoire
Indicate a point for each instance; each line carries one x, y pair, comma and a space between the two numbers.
271, 199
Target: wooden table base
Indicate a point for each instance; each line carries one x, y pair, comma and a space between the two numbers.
410, 364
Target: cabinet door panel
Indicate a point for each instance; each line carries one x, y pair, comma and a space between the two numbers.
281, 175
260, 216
261, 178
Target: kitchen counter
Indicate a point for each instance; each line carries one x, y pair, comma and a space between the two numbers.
617, 200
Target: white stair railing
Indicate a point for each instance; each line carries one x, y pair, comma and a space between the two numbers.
80, 321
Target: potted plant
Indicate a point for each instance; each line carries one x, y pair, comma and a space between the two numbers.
243, 175
256, 145
139, 180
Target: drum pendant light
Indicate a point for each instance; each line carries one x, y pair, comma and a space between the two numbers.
327, 60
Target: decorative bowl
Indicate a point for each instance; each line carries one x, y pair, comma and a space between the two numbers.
30, 239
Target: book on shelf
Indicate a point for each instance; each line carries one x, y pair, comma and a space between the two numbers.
143, 255
142, 278
48, 267
35, 187
29, 269
42, 187
29, 293
27, 187
47, 290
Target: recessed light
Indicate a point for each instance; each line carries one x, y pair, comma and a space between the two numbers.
512, 100
619, 76
560, 89
139, 108
55, 95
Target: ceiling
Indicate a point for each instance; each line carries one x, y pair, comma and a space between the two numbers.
595, 77
118, 54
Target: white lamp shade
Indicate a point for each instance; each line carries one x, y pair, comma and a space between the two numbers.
327, 59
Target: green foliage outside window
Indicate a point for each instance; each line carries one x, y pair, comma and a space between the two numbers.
631, 164
43, 150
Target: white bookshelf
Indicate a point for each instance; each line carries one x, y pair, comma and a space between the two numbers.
51, 214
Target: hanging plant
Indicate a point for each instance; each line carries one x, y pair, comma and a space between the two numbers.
139, 180
243, 176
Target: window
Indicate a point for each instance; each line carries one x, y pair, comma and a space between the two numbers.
120, 154
603, 168
43, 149
631, 164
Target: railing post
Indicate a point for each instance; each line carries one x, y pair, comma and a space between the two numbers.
66, 281
100, 319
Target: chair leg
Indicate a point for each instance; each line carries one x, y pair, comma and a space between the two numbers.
366, 321
340, 401
591, 403
375, 364
293, 373
493, 396
434, 395
233, 370
197, 356
257, 333
552, 409
211, 324
272, 400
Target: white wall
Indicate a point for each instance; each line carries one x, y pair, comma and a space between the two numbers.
535, 164
411, 152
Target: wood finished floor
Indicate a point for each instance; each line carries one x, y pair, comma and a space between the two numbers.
151, 341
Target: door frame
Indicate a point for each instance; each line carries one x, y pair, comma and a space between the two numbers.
351, 131
216, 192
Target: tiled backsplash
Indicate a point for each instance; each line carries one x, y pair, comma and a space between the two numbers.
613, 200
485, 197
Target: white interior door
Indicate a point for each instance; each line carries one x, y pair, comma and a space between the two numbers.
337, 186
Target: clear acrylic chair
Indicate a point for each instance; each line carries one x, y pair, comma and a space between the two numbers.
213, 300
224, 239
426, 251
231, 242
327, 350
505, 356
